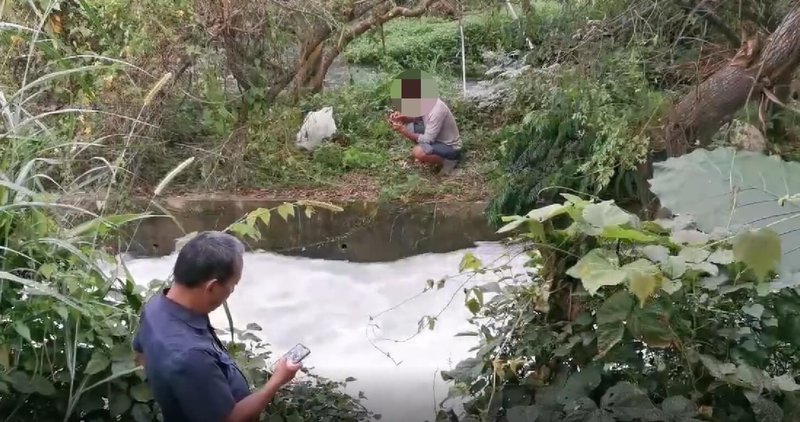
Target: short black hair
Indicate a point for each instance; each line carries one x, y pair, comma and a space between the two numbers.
208, 255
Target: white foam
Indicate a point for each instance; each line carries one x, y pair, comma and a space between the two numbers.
326, 305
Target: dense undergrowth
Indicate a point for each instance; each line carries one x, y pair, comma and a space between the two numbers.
239, 141
609, 73
618, 320
434, 44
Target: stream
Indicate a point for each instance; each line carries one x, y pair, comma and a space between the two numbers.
327, 304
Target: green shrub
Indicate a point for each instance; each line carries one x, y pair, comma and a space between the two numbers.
330, 156
426, 43
614, 319
582, 128
355, 158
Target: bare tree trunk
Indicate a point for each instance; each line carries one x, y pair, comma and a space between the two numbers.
700, 114
311, 72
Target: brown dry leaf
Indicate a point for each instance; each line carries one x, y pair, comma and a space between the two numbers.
744, 57
55, 23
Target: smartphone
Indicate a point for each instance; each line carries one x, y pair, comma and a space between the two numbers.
297, 353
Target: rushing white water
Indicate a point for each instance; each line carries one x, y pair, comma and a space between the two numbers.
326, 305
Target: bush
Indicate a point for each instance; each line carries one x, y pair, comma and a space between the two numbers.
582, 128
622, 320
425, 43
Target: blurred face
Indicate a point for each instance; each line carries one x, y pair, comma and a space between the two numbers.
218, 291
413, 93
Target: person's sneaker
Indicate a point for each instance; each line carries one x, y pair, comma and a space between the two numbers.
447, 167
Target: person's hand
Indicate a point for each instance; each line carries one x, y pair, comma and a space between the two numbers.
393, 119
285, 371
398, 127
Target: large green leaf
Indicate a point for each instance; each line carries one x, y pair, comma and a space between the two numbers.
605, 214
644, 279
679, 409
626, 402
522, 414
608, 335
141, 393
616, 308
737, 191
465, 371
97, 363
760, 250
764, 410
580, 385
651, 325
536, 216
586, 410
118, 404
598, 268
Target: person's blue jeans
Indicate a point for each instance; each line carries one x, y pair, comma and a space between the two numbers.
436, 148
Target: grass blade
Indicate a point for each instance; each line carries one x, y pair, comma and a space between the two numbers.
113, 220
78, 111
8, 26
20, 190
230, 318
171, 175
26, 169
46, 205
71, 249
109, 378
54, 75
156, 88
41, 288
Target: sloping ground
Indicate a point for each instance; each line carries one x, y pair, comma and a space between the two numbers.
467, 183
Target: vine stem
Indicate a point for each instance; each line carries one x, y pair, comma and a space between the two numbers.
508, 337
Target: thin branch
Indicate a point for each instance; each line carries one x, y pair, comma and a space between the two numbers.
704, 12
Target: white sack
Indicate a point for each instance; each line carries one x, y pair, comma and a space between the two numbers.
317, 127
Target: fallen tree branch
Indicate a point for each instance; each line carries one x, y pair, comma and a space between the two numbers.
714, 102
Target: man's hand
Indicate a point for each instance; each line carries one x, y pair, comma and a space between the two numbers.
249, 408
395, 123
285, 371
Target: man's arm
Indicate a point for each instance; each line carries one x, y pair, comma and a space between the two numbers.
403, 130
203, 393
432, 129
411, 136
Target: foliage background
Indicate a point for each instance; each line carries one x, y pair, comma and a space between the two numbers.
109, 99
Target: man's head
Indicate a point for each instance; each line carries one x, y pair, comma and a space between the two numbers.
210, 266
413, 93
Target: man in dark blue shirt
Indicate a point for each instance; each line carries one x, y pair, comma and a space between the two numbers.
188, 369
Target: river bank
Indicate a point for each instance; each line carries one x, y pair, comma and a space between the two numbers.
363, 231
468, 182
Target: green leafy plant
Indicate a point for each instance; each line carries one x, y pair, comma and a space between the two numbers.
736, 191
618, 319
581, 130
419, 43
